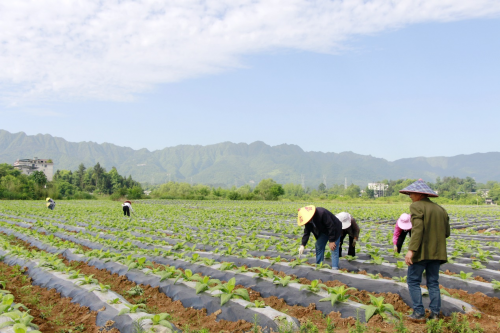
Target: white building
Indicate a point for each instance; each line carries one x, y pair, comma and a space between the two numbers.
28, 166
378, 189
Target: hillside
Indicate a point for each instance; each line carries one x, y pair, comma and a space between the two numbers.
239, 163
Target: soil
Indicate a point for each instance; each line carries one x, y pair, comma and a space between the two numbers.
51, 312
157, 302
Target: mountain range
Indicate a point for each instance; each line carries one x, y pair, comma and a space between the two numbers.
237, 164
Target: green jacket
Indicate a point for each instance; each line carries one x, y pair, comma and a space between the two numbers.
430, 228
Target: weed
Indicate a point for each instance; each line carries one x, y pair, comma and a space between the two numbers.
330, 326
399, 324
308, 327
435, 326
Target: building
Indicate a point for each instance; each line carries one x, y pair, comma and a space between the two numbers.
28, 166
378, 189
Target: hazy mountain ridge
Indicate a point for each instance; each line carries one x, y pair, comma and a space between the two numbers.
239, 163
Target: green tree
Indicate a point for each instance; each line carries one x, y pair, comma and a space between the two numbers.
353, 191
321, 188
39, 178
268, 189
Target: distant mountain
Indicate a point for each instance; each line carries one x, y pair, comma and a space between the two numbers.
239, 163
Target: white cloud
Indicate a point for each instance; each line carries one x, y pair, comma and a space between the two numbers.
60, 49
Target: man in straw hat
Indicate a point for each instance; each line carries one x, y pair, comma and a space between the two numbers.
51, 204
325, 227
427, 248
351, 228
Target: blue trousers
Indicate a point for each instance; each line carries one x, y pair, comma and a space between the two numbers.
414, 279
321, 242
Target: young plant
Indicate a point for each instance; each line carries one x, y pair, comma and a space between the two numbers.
496, 284
103, 288
284, 281
321, 265
18, 317
86, 280
435, 326
297, 262
337, 294
373, 276
225, 266
204, 283
159, 319
264, 273
115, 301
256, 304
400, 279
465, 276
377, 306
350, 258
135, 291
227, 292
315, 286
132, 308
400, 265
477, 265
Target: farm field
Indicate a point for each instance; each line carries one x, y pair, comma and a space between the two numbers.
230, 266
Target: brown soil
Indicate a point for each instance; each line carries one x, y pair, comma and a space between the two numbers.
488, 305
51, 312
157, 302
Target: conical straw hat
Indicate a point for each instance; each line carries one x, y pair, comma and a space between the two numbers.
305, 214
419, 187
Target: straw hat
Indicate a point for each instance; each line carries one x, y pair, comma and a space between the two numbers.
404, 221
305, 214
47, 199
345, 218
419, 187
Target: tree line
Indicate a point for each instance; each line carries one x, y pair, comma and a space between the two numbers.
85, 183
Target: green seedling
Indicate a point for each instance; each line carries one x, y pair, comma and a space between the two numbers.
400, 279
135, 291
86, 280
377, 306
321, 265
315, 286
132, 308
227, 291
338, 294
115, 301
159, 319
496, 284
264, 273
103, 288
477, 265
284, 281
297, 262
400, 264
373, 276
204, 283
18, 317
225, 266
465, 276
350, 258
256, 304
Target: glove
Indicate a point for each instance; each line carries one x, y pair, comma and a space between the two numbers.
395, 248
301, 250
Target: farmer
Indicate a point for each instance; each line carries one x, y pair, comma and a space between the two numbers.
401, 229
51, 204
127, 208
351, 228
427, 248
325, 227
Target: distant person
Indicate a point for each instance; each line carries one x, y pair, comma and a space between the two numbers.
351, 228
325, 227
427, 248
401, 229
127, 208
51, 204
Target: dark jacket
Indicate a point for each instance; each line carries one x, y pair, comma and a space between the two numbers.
430, 228
353, 230
322, 222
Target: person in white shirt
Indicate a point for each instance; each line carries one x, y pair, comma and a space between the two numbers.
127, 208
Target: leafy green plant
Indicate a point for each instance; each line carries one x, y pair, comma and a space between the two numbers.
115, 301
350, 258
264, 273
88, 279
435, 326
18, 317
104, 288
256, 304
496, 284
284, 281
477, 265
373, 276
465, 276
338, 294
377, 306
135, 291
158, 319
315, 286
399, 324
131, 308
400, 264
225, 266
400, 279
204, 283
322, 265
228, 291
297, 262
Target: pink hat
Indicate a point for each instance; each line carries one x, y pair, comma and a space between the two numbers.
404, 221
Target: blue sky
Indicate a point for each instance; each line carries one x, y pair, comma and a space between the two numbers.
426, 89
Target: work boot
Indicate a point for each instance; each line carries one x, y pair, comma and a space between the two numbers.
433, 315
416, 316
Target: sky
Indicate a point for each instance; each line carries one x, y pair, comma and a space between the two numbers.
382, 78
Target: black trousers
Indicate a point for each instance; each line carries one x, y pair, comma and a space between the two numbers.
401, 239
352, 249
126, 211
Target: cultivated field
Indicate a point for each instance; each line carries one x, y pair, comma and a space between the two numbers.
200, 266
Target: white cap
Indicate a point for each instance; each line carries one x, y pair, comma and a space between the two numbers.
345, 218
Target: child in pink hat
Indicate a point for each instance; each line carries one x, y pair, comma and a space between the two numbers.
402, 227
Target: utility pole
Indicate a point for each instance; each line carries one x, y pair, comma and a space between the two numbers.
303, 184
168, 177
324, 181
345, 184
